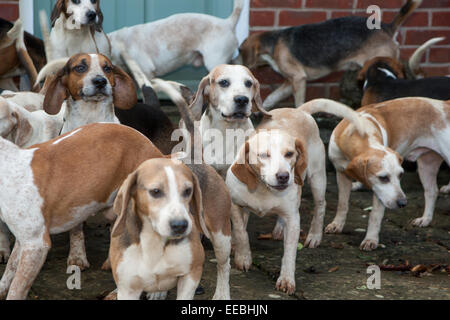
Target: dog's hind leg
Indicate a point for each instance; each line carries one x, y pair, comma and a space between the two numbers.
446, 189
281, 93
4, 243
428, 167
242, 252
10, 271
77, 254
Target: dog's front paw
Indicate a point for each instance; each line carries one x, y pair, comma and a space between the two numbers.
78, 261
369, 245
286, 285
446, 189
243, 262
5, 252
334, 228
421, 222
111, 296
157, 295
313, 240
278, 232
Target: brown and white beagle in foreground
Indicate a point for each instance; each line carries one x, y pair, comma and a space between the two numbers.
224, 102
53, 187
267, 178
370, 149
155, 241
312, 51
77, 27
90, 86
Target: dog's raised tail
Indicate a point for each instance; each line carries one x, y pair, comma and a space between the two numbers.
404, 13
237, 10
335, 108
414, 61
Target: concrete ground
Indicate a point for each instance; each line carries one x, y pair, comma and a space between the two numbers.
335, 270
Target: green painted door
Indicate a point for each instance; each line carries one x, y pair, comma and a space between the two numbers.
122, 13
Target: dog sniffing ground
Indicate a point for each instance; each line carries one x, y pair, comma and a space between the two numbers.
335, 270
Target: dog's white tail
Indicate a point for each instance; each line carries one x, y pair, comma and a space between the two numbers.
51, 68
237, 10
414, 61
335, 108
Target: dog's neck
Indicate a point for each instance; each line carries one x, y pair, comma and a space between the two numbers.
80, 113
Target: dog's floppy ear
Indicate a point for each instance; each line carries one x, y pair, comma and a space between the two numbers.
60, 7
249, 51
242, 170
56, 93
125, 96
201, 98
357, 170
257, 104
121, 204
24, 130
302, 162
197, 207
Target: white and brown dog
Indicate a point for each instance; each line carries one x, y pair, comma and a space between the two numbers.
181, 39
53, 187
155, 241
77, 27
224, 102
267, 178
91, 87
369, 149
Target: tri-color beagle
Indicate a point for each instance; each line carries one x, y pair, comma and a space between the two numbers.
224, 102
313, 51
181, 39
53, 187
77, 27
369, 149
155, 241
267, 178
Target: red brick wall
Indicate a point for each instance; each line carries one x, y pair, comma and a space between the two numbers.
9, 10
431, 19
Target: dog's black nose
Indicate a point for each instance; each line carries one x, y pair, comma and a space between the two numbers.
178, 226
283, 177
91, 15
401, 203
99, 82
241, 101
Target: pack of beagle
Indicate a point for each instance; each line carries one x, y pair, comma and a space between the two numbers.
84, 145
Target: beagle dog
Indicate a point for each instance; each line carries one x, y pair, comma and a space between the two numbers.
77, 27
20, 53
312, 51
25, 128
370, 149
53, 187
384, 78
267, 177
178, 40
92, 87
224, 102
155, 241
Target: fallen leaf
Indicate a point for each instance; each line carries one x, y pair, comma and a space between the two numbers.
267, 236
401, 267
333, 269
419, 268
336, 245
299, 246
368, 209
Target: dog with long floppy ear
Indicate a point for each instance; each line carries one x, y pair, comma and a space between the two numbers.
124, 205
302, 162
60, 88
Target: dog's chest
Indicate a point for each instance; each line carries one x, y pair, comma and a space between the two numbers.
153, 266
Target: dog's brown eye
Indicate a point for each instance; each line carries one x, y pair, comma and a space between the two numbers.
156, 193
289, 154
224, 83
93, 1
107, 69
248, 84
187, 193
80, 68
384, 179
76, 1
